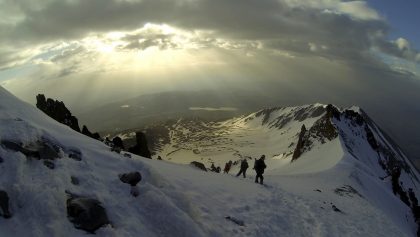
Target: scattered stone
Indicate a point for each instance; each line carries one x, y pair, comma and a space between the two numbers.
86, 213
132, 178
4, 204
199, 165
347, 190
14, 146
336, 209
128, 155
75, 154
39, 150
49, 164
317, 190
74, 180
235, 220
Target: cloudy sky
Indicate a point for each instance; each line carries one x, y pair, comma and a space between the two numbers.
87, 52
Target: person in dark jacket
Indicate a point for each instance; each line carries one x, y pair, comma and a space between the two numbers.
259, 167
227, 167
244, 167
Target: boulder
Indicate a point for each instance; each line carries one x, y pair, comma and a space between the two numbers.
86, 213
74, 180
49, 164
1, 160
118, 143
131, 178
199, 165
75, 154
4, 204
141, 147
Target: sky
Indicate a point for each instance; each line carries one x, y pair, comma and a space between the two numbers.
92, 52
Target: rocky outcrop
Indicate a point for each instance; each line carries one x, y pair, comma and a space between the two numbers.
117, 142
199, 165
141, 147
86, 132
41, 150
132, 178
300, 144
323, 130
4, 204
58, 111
86, 213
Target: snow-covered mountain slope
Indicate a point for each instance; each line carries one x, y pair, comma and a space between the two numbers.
47, 170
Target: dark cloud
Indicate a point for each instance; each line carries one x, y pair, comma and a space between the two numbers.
275, 23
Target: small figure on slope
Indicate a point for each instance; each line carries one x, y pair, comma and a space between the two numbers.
259, 167
244, 167
227, 167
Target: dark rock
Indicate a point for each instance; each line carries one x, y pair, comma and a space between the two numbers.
131, 178
1, 160
86, 213
86, 132
49, 164
199, 165
235, 220
74, 180
323, 128
141, 147
118, 143
10, 145
47, 151
300, 144
4, 204
128, 155
336, 209
75, 154
58, 111
371, 138
332, 112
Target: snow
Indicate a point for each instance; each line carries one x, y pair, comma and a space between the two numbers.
178, 200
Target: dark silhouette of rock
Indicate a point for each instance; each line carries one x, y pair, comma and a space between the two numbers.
86, 132
58, 111
118, 143
1, 160
132, 178
199, 165
49, 164
75, 154
4, 204
74, 180
141, 147
39, 150
86, 213
301, 143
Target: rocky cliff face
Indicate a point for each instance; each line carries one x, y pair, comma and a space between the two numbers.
58, 111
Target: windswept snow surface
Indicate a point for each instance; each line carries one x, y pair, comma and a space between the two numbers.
326, 192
